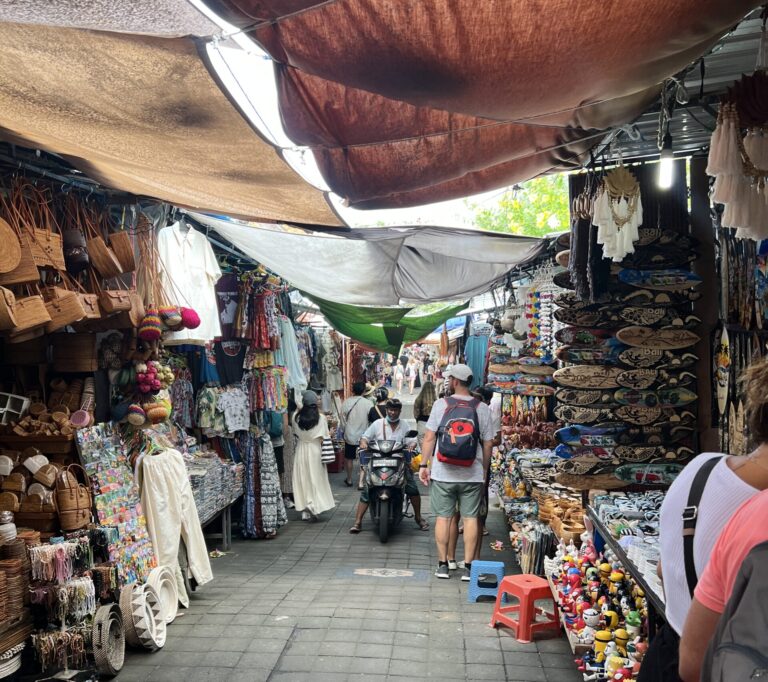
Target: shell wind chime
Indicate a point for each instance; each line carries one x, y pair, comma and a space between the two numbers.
618, 213
738, 153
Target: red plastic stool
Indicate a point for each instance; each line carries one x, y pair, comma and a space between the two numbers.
527, 588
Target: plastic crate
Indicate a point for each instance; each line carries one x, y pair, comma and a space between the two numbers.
12, 407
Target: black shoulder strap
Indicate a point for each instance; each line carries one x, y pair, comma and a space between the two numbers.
691, 517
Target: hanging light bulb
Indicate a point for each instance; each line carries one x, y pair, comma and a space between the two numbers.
666, 164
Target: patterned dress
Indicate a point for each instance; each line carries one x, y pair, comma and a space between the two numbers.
263, 506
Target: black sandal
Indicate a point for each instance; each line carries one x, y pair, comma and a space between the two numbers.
347, 483
356, 528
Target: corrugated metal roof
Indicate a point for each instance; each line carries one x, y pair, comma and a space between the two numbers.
692, 124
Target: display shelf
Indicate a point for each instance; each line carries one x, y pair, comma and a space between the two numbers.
655, 600
578, 648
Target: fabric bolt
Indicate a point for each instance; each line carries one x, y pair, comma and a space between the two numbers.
234, 404
723, 494
296, 378
311, 488
227, 298
449, 473
190, 273
475, 351
169, 506
230, 358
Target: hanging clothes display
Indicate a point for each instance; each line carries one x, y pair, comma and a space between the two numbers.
263, 507
475, 351
169, 506
189, 269
296, 378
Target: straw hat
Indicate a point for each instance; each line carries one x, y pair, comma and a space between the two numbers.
369, 389
6, 465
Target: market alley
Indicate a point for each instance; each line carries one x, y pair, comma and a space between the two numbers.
320, 604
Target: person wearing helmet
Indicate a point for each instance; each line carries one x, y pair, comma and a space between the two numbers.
379, 410
391, 428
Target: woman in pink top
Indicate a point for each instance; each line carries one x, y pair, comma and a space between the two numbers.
745, 530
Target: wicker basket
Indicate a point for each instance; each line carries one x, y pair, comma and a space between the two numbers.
71, 495
7, 314
115, 300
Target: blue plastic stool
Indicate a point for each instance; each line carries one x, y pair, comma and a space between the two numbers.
479, 568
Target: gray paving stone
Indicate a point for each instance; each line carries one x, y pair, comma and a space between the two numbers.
258, 659
478, 671
550, 660
266, 646
408, 668
520, 673
222, 659
333, 664
374, 666
523, 658
563, 674
484, 656
377, 637
289, 663
251, 675
238, 644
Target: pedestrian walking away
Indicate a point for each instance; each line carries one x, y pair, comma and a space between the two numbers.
456, 455
311, 490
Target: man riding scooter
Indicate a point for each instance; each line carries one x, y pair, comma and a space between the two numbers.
390, 428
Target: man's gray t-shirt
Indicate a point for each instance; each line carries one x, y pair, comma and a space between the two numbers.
450, 473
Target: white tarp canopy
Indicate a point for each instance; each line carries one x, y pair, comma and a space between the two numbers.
381, 266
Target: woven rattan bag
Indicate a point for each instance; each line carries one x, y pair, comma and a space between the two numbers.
73, 498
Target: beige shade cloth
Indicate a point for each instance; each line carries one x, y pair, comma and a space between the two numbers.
143, 115
153, 17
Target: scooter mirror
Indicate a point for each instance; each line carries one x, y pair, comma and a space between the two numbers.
412, 434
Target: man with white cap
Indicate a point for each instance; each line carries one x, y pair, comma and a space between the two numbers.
456, 454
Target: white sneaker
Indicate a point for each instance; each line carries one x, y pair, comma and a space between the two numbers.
305, 515
452, 565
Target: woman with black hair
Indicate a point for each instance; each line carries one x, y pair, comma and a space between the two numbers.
311, 489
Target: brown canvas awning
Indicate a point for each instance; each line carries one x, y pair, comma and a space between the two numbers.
411, 102
144, 115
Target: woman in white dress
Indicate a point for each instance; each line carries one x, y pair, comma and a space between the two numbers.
311, 490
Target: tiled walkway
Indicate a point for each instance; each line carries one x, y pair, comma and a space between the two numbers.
293, 609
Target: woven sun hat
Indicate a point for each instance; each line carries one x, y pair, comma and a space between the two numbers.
164, 582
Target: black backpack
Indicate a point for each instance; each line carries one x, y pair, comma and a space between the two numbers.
459, 432
738, 649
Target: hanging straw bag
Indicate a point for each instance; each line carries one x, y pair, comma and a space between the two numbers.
10, 254
7, 315
112, 300
63, 305
102, 257
73, 498
31, 208
30, 312
25, 270
123, 247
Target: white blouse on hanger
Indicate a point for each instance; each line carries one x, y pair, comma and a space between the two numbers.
190, 275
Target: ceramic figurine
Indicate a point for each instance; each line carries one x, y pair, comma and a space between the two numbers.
611, 618
602, 639
633, 623
591, 623
621, 637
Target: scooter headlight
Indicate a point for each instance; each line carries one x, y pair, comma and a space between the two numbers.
385, 446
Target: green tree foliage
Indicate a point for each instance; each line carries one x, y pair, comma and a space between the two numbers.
534, 208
